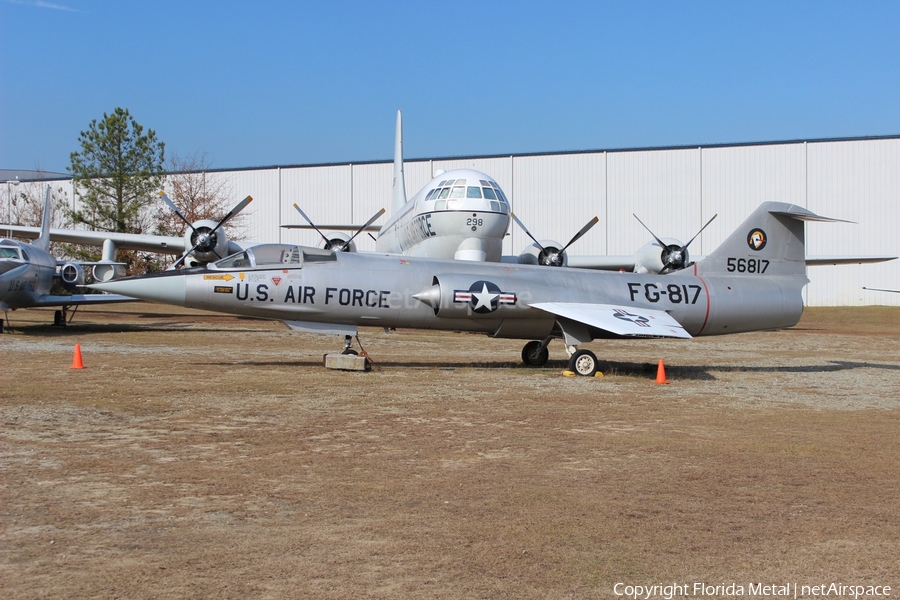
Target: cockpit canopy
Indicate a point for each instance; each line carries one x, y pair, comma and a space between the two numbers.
449, 190
273, 256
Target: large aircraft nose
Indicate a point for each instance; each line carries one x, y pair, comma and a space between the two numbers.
8, 266
166, 288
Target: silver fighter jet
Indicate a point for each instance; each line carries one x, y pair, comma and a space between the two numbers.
753, 281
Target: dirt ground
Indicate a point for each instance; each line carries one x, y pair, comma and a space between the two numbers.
207, 456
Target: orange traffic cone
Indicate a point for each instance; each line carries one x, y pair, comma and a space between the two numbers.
76, 361
661, 373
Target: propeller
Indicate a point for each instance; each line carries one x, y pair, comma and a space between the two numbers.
553, 257
674, 257
337, 244
203, 237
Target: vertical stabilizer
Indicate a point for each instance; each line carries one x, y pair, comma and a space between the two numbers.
399, 182
770, 242
43, 241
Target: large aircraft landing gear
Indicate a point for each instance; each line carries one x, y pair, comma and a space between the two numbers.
584, 363
59, 317
535, 353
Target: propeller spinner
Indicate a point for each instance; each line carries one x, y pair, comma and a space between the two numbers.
206, 236
673, 256
550, 256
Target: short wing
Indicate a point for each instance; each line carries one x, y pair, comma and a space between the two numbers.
625, 321
79, 299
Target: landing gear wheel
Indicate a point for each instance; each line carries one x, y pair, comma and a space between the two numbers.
584, 363
59, 318
350, 351
535, 354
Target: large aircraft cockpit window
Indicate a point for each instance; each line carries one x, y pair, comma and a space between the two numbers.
473, 192
444, 193
458, 191
7, 252
489, 193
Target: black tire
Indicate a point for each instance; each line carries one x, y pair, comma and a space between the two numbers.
583, 363
350, 351
535, 356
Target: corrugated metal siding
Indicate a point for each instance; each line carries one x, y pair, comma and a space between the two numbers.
738, 179
858, 181
674, 191
661, 187
554, 196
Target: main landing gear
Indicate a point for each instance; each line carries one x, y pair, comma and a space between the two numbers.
582, 362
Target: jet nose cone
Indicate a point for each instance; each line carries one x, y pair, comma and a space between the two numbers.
166, 288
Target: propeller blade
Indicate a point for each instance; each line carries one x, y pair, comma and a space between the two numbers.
234, 211
361, 229
658, 241
313, 225
174, 208
683, 248
184, 256
525, 229
583, 231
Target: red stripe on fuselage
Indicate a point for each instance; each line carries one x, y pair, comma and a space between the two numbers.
705, 289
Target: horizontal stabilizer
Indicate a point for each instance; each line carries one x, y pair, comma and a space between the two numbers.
631, 322
813, 261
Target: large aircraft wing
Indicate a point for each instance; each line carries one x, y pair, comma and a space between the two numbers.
133, 241
335, 227
630, 322
602, 262
627, 262
79, 299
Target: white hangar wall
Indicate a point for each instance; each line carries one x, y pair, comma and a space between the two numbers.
673, 190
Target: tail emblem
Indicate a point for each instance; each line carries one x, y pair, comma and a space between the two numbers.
756, 239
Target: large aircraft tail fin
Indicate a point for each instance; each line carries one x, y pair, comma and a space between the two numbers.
399, 181
43, 240
770, 242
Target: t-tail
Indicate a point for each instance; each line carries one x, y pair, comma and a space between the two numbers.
399, 199
43, 240
770, 242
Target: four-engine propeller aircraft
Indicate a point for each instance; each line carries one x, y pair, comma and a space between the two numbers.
753, 281
461, 214
27, 272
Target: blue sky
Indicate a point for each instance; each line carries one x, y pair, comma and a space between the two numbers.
283, 83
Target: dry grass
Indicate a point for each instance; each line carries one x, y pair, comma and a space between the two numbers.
207, 456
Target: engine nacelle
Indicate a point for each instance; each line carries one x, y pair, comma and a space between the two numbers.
339, 241
108, 271
550, 256
71, 275
649, 257
211, 243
